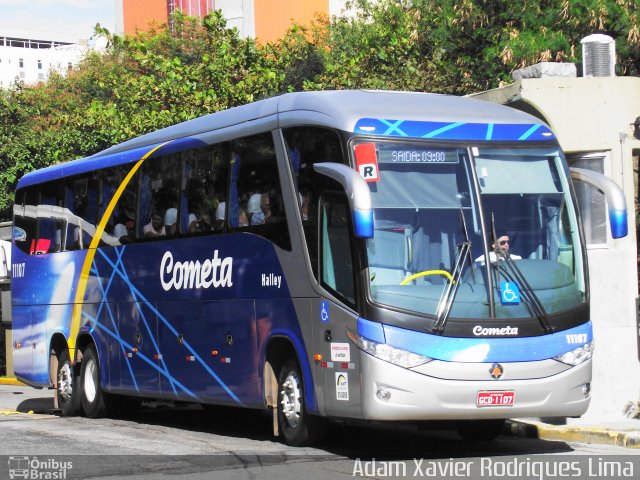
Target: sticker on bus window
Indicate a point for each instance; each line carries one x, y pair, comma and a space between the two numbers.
509, 293
342, 386
367, 162
41, 247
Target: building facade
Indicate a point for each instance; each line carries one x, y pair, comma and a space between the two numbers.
29, 61
266, 20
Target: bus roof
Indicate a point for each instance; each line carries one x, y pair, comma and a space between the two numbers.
340, 109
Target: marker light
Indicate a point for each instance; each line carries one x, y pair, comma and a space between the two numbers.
577, 356
390, 354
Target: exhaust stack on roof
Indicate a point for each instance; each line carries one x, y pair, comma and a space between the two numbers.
598, 56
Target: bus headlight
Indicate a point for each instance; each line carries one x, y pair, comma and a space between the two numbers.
577, 356
397, 356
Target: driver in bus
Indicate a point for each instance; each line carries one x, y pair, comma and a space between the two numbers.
501, 245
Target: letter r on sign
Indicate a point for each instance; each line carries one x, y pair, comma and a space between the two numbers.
367, 161
369, 172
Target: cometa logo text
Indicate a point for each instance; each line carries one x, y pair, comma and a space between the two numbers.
214, 272
480, 331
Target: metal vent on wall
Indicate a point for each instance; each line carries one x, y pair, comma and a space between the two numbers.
598, 56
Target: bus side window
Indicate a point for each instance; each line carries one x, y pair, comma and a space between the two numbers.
81, 210
336, 256
206, 177
255, 196
25, 218
123, 213
160, 196
305, 147
50, 219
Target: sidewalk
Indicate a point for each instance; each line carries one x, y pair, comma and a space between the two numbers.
620, 432
11, 381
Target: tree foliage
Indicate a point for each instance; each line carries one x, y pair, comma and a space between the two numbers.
463, 46
193, 67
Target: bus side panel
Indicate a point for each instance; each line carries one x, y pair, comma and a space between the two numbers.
187, 323
279, 318
342, 393
137, 328
209, 351
23, 343
42, 300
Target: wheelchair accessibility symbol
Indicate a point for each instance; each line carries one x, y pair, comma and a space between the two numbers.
324, 312
509, 292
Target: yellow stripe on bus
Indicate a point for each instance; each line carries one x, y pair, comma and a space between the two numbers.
91, 253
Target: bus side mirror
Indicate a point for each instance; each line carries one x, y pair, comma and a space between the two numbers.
357, 192
614, 195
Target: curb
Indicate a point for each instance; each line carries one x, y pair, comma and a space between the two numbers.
599, 435
11, 381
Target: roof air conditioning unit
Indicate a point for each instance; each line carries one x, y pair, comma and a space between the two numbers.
598, 56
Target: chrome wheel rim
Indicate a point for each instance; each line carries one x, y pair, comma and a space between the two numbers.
290, 402
65, 382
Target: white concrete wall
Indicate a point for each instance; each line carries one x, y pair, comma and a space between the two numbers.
239, 14
594, 115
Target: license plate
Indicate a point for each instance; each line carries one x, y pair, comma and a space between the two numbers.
496, 398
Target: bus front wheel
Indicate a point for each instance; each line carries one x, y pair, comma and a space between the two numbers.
93, 398
297, 427
68, 386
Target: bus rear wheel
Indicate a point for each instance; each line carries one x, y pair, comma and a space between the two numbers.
93, 398
67, 386
297, 427
480, 430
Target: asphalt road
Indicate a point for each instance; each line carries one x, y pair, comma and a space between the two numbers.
187, 442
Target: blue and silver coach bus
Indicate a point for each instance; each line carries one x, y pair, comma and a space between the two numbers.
318, 254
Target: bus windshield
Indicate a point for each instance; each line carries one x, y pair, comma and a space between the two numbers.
440, 211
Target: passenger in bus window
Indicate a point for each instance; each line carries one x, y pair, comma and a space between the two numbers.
304, 206
124, 231
171, 221
253, 208
243, 218
154, 228
220, 216
201, 224
264, 215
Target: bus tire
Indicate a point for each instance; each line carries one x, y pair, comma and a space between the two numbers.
480, 430
297, 427
68, 386
93, 398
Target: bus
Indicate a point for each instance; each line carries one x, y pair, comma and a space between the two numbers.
318, 256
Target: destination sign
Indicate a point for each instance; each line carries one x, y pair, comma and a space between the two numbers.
407, 154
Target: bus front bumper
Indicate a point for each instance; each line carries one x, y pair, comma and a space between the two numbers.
390, 392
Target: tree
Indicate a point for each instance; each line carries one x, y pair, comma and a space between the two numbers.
142, 83
462, 46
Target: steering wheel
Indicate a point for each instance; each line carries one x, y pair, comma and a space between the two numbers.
424, 273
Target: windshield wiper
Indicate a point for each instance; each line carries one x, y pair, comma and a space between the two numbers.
449, 295
526, 292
